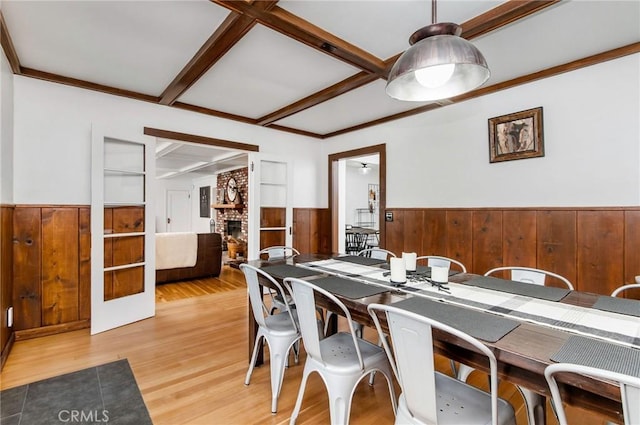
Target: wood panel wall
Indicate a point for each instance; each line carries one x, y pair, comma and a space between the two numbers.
51, 269
597, 249
6, 279
312, 230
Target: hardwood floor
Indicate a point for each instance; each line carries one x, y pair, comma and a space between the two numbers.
190, 361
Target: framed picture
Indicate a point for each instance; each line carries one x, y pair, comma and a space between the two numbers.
516, 136
205, 207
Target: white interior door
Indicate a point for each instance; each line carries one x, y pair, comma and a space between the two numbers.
178, 211
270, 203
122, 229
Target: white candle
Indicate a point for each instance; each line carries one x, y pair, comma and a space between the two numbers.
398, 271
410, 261
439, 274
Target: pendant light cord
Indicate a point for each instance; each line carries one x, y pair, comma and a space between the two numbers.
433, 11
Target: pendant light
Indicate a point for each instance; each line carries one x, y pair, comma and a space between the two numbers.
364, 169
439, 64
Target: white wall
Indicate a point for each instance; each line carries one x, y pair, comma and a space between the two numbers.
201, 224
184, 182
592, 146
52, 149
6, 131
357, 186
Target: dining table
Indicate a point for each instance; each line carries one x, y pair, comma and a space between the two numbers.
527, 326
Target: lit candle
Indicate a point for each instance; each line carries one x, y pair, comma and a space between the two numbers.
398, 271
410, 261
439, 274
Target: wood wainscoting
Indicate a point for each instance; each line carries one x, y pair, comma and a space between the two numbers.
595, 248
312, 230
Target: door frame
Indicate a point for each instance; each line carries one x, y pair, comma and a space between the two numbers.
333, 159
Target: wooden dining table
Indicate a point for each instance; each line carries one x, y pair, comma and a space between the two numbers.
522, 354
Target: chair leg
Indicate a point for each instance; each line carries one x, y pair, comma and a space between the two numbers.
254, 356
277, 362
303, 384
535, 404
340, 395
463, 372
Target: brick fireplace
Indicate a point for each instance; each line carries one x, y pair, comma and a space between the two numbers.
232, 220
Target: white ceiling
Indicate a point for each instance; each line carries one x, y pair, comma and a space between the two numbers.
141, 47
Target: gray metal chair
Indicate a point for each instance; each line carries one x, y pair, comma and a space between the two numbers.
428, 396
629, 389
280, 330
342, 359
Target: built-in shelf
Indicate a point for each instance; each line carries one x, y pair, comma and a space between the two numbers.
227, 206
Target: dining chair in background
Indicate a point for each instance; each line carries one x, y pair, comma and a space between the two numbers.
377, 253
533, 276
439, 261
342, 359
355, 242
428, 396
619, 290
629, 389
280, 330
278, 252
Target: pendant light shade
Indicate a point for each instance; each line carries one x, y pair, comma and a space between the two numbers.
438, 65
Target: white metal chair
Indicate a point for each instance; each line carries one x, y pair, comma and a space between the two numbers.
428, 396
378, 253
439, 261
629, 389
530, 275
280, 330
623, 288
277, 252
533, 401
341, 359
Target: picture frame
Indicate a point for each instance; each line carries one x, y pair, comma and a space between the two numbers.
205, 207
516, 136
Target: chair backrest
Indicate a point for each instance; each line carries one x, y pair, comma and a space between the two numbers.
275, 252
355, 242
439, 261
412, 359
623, 288
629, 389
303, 293
379, 253
258, 307
531, 275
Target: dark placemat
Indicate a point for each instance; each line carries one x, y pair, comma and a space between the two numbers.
287, 270
603, 355
485, 326
365, 261
519, 288
348, 288
618, 305
422, 270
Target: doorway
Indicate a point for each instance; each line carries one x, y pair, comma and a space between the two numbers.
336, 207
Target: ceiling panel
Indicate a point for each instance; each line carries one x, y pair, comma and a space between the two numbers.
563, 33
132, 45
364, 104
264, 72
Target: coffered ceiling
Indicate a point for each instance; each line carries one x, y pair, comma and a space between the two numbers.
314, 67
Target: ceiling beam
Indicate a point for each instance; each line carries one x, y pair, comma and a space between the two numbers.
294, 27
629, 49
203, 140
221, 41
7, 46
491, 20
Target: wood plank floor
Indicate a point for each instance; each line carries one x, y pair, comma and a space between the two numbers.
190, 361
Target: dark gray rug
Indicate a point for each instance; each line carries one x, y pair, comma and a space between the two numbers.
106, 394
